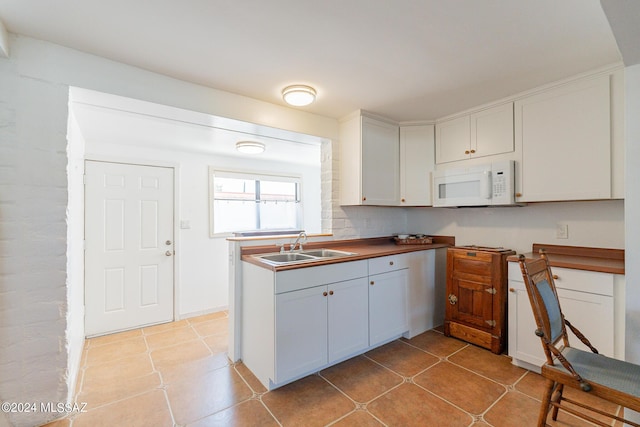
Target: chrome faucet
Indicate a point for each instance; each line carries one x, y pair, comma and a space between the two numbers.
303, 236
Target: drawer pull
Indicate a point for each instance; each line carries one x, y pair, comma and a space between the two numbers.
390, 262
512, 290
371, 283
330, 292
453, 299
324, 294
466, 151
555, 277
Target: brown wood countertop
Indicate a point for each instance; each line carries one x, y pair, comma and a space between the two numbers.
362, 248
579, 257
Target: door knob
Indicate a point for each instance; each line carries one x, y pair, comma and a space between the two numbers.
168, 253
168, 242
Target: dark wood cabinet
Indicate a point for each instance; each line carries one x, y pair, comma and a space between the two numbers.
477, 296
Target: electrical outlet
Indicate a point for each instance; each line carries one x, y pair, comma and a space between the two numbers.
562, 231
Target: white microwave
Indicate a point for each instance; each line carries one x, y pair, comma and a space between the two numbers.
486, 185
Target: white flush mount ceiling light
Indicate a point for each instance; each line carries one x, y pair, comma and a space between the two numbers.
299, 95
250, 147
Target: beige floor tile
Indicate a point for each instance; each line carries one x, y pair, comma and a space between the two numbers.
358, 418
483, 362
212, 327
117, 350
150, 330
402, 358
464, 389
170, 337
117, 370
208, 317
181, 353
187, 370
361, 379
436, 343
149, 409
200, 397
65, 422
248, 413
217, 343
98, 394
251, 379
409, 405
111, 338
309, 402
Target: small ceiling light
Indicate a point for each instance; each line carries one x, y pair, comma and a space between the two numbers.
299, 95
250, 147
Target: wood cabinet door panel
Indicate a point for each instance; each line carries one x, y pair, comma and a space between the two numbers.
474, 303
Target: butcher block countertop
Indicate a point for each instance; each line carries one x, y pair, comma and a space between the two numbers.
362, 248
579, 257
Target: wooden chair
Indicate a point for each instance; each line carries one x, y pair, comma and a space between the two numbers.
609, 379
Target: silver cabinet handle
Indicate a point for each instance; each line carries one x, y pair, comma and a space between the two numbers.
168, 242
168, 253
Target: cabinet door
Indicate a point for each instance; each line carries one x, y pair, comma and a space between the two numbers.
566, 142
416, 164
471, 302
592, 314
301, 332
380, 163
523, 343
387, 306
348, 318
453, 139
492, 131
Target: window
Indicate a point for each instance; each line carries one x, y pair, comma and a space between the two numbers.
247, 202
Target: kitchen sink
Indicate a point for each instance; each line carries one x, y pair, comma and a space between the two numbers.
287, 257
301, 257
326, 253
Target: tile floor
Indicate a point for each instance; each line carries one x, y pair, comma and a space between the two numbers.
178, 374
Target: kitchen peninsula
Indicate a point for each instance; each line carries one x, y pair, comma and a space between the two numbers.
298, 318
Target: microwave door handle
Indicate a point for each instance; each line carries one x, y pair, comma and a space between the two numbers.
485, 191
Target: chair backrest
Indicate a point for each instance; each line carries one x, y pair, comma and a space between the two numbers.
543, 297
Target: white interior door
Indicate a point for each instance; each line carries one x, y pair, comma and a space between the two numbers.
129, 248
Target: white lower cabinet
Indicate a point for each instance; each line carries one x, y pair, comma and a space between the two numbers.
587, 301
388, 305
319, 325
298, 321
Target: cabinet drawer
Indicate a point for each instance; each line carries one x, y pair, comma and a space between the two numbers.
592, 282
301, 278
388, 263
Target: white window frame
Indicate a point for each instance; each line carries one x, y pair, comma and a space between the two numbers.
251, 175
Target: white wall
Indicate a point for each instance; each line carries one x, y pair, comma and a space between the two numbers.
34, 95
632, 211
598, 224
203, 262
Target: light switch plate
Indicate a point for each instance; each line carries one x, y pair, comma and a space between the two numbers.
185, 224
562, 231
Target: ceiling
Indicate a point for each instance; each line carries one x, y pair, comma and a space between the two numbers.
405, 60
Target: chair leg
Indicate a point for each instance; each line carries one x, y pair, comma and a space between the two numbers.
546, 403
558, 400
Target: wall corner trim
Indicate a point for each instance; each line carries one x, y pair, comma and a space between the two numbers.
4, 40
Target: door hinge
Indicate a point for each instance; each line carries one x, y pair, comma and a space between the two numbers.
492, 291
491, 323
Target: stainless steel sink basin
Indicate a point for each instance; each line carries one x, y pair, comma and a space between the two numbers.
301, 257
287, 257
326, 253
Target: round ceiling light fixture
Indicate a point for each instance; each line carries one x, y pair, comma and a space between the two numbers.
299, 95
250, 147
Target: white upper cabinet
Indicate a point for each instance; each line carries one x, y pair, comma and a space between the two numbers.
485, 133
565, 135
416, 164
369, 162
